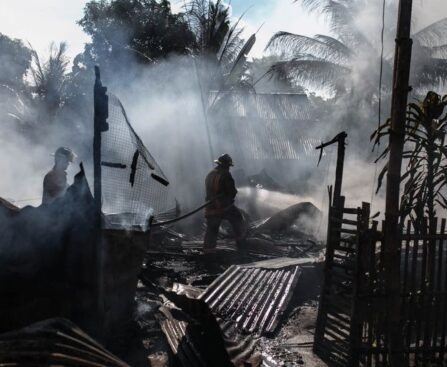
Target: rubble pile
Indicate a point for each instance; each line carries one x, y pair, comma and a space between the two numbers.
241, 301
232, 308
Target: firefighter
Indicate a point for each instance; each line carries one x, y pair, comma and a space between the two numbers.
220, 186
55, 181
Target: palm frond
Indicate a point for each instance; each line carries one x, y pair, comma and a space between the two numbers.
313, 5
310, 72
232, 47
340, 17
232, 41
323, 47
335, 44
49, 77
429, 74
439, 51
432, 35
243, 53
320, 5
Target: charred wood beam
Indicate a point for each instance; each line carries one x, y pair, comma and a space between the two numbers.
341, 140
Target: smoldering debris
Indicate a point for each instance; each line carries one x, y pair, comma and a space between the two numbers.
235, 311
240, 300
265, 181
302, 216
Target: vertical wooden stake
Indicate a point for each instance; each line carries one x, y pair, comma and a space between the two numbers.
340, 165
101, 112
397, 136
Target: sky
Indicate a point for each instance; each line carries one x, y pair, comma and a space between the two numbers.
40, 22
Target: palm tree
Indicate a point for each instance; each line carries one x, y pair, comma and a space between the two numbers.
344, 61
219, 41
50, 78
210, 22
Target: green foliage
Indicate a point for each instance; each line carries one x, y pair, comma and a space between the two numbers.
425, 152
50, 78
210, 23
142, 30
335, 63
15, 59
219, 42
258, 72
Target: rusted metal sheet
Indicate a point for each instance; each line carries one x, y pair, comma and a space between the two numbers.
54, 342
254, 296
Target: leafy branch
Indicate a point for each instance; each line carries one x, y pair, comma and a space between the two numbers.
425, 176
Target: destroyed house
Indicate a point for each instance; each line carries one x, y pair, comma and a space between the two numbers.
264, 128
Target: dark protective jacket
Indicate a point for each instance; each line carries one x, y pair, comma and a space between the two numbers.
54, 185
219, 182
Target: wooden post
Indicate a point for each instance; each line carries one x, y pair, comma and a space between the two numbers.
397, 135
336, 205
340, 165
359, 283
340, 139
101, 112
335, 216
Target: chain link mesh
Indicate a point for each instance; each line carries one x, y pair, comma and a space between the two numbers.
133, 185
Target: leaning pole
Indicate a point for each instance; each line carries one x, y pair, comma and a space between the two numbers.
401, 74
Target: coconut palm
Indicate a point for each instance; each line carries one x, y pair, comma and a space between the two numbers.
50, 78
16, 59
219, 40
216, 37
341, 62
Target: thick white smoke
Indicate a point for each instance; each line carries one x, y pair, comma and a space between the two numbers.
164, 103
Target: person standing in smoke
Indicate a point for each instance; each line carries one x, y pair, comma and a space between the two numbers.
55, 181
220, 187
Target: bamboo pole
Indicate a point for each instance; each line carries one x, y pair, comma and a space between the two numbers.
401, 75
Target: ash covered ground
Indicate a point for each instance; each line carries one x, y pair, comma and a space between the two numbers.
176, 258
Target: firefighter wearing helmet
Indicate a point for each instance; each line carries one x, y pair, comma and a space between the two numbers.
55, 181
220, 186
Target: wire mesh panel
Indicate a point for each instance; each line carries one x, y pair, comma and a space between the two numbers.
134, 187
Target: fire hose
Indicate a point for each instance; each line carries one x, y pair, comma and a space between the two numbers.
186, 215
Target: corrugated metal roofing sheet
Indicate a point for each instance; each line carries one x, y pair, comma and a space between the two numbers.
182, 345
187, 346
267, 139
264, 126
54, 342
253, 296
268, 106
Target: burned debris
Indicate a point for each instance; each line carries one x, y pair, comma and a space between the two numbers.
168, 256
54, 342
205, 309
